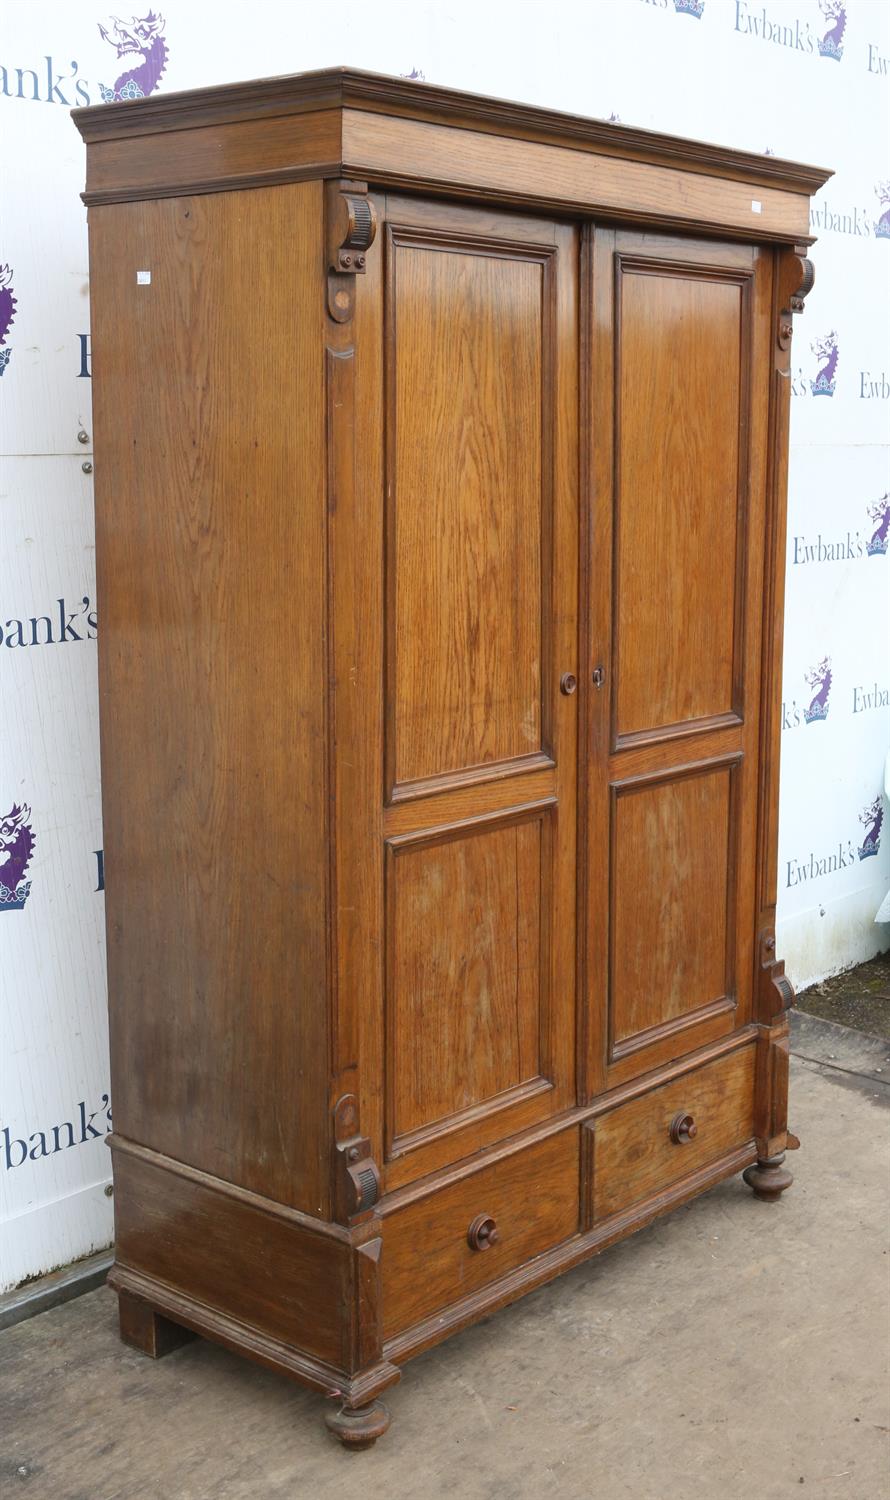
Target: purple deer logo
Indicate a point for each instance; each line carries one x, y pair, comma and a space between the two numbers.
825, 349
871, 818
882, 225
832, 44
7, 313
879, 512
141, 47
820, 679
16, 847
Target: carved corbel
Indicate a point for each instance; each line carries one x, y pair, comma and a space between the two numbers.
350, 227
356, 1178
796, 277
775, 990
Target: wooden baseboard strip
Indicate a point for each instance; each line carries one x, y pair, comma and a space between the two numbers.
57, 1287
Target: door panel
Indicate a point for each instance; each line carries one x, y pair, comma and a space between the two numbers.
682, 334
478, 814
471, 410
467, 992
677, 329
672, 873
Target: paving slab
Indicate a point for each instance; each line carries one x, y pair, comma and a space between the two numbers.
842, 1049
734, 1350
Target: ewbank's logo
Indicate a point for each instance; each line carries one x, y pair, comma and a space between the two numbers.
882, 225
689, 8
7, 313
879, 513
832, 43
820, 679
16, 846
140, 46
827, 354
871, 818
849, 545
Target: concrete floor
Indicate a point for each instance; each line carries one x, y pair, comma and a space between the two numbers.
732, 1351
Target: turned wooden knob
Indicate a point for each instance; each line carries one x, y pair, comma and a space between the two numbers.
683, 1129
482, 1233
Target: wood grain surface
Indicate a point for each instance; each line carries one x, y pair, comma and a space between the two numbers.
340, 122
466, 997
469, 484
479, 762
210, 534
675, 619
673, 878
634, 1155
533, 1198
681, 347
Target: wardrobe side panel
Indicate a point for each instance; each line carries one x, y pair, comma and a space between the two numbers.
209, 435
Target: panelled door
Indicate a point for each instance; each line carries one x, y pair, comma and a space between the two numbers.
676, 443
478, 324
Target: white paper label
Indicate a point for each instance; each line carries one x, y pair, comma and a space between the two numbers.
143, 278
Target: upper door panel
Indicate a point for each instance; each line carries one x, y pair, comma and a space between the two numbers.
471, 393
682, 352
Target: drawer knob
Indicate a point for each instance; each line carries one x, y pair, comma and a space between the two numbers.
482, 1233
683, 1129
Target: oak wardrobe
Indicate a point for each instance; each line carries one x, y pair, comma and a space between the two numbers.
441, 451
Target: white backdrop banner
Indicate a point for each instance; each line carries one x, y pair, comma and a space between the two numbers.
806, 79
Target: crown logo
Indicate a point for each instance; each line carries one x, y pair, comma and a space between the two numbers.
7, 312
689, 8
16, 847
876, 546
871, 817
832, 44
819, 679
827, 352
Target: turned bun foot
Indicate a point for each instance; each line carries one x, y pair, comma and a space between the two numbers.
358, 1426
768, 1178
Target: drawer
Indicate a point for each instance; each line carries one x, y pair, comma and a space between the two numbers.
639, 1149
428, 1260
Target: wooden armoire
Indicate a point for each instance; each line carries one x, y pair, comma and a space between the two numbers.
441, 455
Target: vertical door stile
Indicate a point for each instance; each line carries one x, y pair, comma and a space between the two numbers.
600, 479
